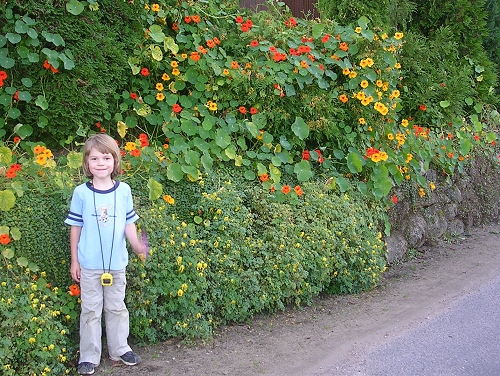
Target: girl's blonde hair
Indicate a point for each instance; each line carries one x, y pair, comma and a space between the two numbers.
103, 144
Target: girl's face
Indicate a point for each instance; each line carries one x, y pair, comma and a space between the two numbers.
100, 165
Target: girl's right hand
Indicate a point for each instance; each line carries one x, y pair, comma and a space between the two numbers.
75, 271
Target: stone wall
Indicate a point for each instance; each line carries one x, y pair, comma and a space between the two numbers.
468, 199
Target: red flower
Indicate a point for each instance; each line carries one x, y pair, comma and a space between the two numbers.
325, 38
74, 290
187, 19
253, 110
16, 95
394, 199
239, 20
17, 139
145, 72
98, 124
298, 190
423, 107
46, 64
15, 167
4, 239
306, 155
196, 18
133, 96
3, 75
175, 26
123, 153
285, 189
318, 152
264, 177
176, 108
135, 153
54, 70
242, 110
10, 174
245, 28
321, 160
254, 43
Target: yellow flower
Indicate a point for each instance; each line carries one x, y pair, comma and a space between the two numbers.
432, 186
421, 192
397, 66
31, 340
346, 71
180, 293
358, 30
165, 77
174, 64
41, 159
390, 136
398, 35
364, 84
404, 123
184, 286
129, 146
160, 96
352, 74
159, 86
212, 106
362, 121
175, 72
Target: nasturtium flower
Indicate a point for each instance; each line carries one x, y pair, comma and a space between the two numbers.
242, 110
74, 290
129, 146
264, 177
145, 72
404, 123
133, 96
423, 107
4, 239
285, 189
346, 71
398, 35
187, 19
254, 43
362, 121
41, 159
210, 43
238, 20
234, 65
212, 106
160, 96
159, 86
175, 72
196, 18
135, 153
225, 72
364, 84
216, 40
344, 46
165, 77
195, 56
298, 190
155, 7
253, 110
390, 137
176, 108
397, 66
343, 98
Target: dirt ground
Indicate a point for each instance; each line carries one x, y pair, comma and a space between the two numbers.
335, 330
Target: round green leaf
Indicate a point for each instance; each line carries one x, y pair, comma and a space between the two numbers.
5, 155
174, 172
41, 102
7, 200
155, 189
75, 159
300, 128
8, 253
75, 7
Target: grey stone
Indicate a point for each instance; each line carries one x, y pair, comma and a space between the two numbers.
397, 247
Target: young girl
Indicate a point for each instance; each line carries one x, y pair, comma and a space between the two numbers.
101, 216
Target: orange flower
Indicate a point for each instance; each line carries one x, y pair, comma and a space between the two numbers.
343, 98
195, 56
135, 153
298, 190
423, 107
264, 177
242, 110
74, 290
234, 65
210, 43
285, 189
196, 18
4, 239
216, 40
344, 46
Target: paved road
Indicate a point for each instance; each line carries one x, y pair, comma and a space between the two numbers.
464, 340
